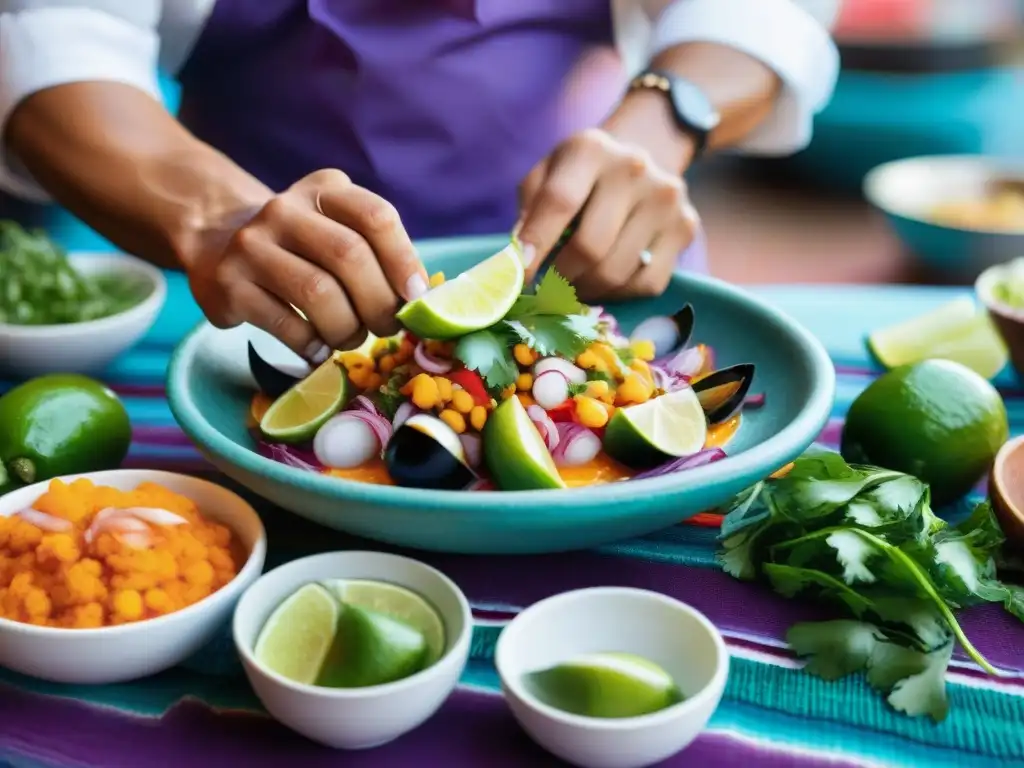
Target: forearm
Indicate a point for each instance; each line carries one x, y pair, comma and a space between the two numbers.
742, 89
117, 159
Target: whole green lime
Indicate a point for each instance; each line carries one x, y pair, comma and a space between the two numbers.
60, 424
937, 420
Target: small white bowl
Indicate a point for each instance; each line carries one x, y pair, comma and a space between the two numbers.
33, 350
130, 651
648, 624
355, 718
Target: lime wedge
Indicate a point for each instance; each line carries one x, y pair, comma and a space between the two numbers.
605, 685
666, 427
516, 454
956, 331
372, 648
397, 603
299, 634
476, 299
297, 414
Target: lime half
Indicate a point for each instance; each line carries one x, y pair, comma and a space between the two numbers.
668, 426
516, 454
297, 414
397, 603
956, 331
606, 685
476, 299
299, 634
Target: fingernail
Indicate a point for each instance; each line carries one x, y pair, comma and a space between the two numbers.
527, 254
317, 352
416, 287
516, 228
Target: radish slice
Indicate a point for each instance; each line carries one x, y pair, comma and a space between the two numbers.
473, 447
572, 373
551, 389
349, 440
44, 521
544, 425
428, 362
578, 445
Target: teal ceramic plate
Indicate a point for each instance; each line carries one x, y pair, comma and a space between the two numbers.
208, 397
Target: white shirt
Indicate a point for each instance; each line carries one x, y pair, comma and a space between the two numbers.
45, 43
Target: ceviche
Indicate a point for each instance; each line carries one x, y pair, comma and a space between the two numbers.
548, 394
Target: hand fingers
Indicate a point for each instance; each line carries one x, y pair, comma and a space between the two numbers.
263, 310
297, 281
611, 203
348, 258
572, 173
529, 188
652, 279
379, 224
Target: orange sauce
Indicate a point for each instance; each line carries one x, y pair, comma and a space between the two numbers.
601, 470
258, 407
373, 472
720, 434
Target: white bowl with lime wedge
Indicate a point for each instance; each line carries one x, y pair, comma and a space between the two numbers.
353, 649
612, 677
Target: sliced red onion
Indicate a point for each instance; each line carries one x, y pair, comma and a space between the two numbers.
290, 455
136, 539
473, 447
155, 515
547, 428
551, 389
480, 484
753, 402
699, 459
577, 445
688, 362
429, 363
363, 403
44, 521
572, 373
403, 413
115, 520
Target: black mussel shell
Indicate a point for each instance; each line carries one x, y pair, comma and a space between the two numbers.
272, 381
721, 394
426, 453
667, 333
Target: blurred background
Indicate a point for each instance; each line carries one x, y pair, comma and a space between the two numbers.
920, 78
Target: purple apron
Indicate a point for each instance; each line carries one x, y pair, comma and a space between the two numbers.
440, 106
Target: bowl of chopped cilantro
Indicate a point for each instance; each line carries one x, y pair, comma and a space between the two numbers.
64, 312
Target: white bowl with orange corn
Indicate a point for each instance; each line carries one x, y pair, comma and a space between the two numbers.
112, 576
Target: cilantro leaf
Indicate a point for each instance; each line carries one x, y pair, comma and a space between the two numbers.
554, 296
1014, 601
789, 581
552, 335
834, 649
489, 353
923, 692
390, 398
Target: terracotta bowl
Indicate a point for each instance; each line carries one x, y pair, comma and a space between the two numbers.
1009, 320
1006, 487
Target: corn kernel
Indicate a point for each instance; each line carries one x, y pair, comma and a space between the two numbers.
633, 390
462, 401
356, 360
590, 412
424, 392
526, 399
524, 355
386, 364
453, 419
444, 388
508, 392
478, 417
588, 360
127, 605
524, 382
643, 349
597, 388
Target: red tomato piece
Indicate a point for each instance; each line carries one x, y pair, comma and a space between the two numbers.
472, 383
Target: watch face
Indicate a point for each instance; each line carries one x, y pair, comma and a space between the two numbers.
693, 106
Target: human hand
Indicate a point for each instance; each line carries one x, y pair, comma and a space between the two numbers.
630, 205
330, 248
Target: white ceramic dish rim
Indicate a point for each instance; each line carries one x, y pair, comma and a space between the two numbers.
253, 562
620, 723
248, 653
877, 181
813, 414
104, 263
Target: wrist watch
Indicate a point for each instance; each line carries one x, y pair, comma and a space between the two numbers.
693, 111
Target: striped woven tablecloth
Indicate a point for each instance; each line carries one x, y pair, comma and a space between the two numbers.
204, 713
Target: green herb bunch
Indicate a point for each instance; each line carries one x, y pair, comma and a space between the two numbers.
866, 539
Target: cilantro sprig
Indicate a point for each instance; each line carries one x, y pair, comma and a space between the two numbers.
551, 321
867, 540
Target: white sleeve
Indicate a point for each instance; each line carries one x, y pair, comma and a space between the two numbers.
44, 43
790, 36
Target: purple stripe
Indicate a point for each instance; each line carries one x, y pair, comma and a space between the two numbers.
471, 729
732, 605
184, 466
138, 390
154, 435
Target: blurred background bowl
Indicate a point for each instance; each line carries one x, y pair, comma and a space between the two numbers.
908, 191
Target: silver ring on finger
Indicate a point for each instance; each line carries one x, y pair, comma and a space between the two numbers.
646, 257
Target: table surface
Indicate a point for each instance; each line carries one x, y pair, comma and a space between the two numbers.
204, 714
